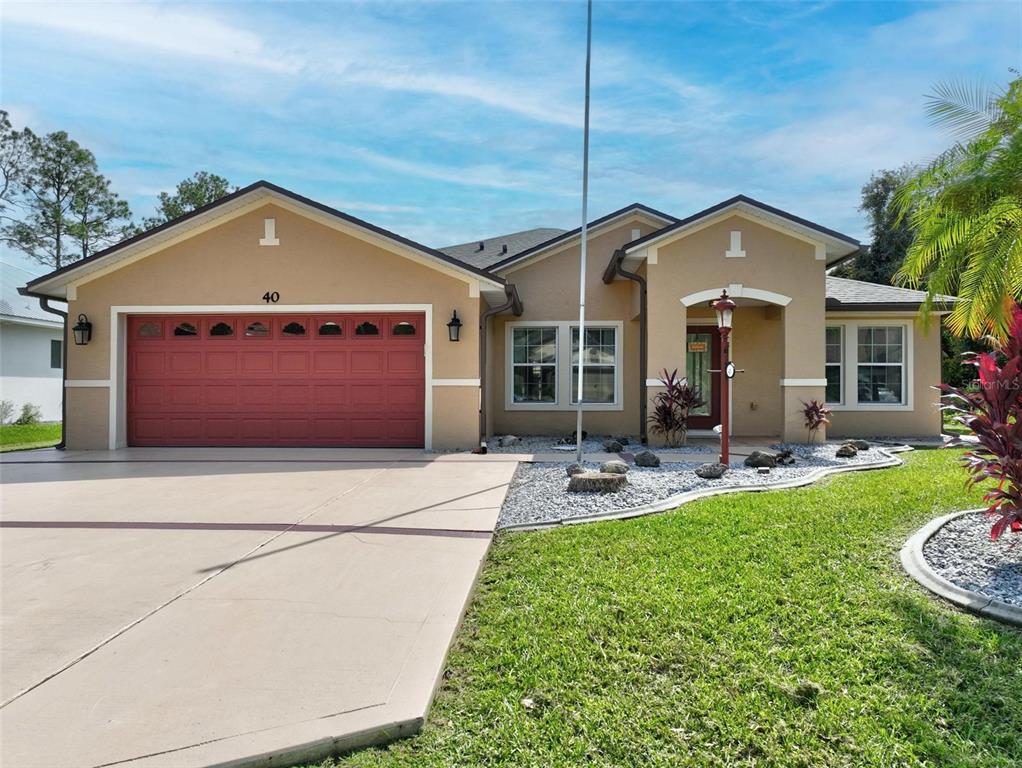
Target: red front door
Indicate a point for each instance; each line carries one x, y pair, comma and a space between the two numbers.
276, 380
702, 354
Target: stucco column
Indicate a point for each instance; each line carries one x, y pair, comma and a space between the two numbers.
804, 370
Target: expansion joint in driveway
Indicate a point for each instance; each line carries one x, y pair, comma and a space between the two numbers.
205, 579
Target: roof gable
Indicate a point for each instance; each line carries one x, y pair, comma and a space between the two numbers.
858, 295
835, 245
236, 204
565, 238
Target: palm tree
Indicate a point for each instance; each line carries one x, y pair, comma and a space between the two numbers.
966, 210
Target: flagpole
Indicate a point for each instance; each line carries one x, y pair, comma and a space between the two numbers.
585, 233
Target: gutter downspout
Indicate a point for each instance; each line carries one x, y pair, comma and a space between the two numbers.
44, 304
514, 303
613, 270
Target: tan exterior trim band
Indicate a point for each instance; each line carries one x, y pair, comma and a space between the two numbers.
803, 382
456, 382
70, 383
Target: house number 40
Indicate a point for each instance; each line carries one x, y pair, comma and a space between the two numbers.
271, 298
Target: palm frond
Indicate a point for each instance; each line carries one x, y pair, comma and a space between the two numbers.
965, 109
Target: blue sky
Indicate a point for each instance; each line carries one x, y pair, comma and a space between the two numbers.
448, 122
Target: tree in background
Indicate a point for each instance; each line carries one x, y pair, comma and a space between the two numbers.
891, 233
194, 192
965, 209
99, 217
14, 157
67, 208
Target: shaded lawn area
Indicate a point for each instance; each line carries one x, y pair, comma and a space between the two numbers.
16, 437
758, 629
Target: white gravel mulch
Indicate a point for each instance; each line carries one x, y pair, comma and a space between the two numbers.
539, 491
962, 552
592, 444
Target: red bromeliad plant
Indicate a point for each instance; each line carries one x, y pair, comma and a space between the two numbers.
993, 412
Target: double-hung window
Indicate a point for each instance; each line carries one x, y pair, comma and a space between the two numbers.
835, 364
534, 364
599, 382
880, 370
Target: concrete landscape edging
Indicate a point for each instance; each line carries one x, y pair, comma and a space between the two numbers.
915, 564
672, 502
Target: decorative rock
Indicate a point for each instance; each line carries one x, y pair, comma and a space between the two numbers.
786, 457
575, 469
761, 459
846, 451
713, 471
622, 440
647, 459
614, 467
596, 482
613, 446
860, 445
508, 440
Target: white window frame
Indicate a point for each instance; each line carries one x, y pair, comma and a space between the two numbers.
564, 365
850, 364
840, 363
556, 365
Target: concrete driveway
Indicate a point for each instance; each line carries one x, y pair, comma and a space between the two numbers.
170, 607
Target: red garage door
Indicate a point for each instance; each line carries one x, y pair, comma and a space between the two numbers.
282, 380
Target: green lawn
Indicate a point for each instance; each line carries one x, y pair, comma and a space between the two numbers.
15, 437
772, 629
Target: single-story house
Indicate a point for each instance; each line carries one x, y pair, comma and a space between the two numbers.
31, 348
267, 318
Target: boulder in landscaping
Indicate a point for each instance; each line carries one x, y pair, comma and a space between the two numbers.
613, 446
575, 469
596, 482
785, 457
860, 445
847, 451
761, 459
647, 459
614, 467
505, 441
713, 471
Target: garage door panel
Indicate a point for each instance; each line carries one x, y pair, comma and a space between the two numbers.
405, 361
223, 362
184, 362
288, 382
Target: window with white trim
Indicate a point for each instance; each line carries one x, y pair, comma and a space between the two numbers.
534, 364
834, 364
880, 369
600, 379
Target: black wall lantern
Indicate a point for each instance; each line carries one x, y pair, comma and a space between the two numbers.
454, 327
82, 331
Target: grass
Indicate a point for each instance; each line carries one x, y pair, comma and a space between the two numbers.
17, 437
768, 629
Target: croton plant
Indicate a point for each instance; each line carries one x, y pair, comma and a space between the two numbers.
992, 411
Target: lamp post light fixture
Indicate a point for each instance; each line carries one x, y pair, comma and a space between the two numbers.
82, 331
725, 308
454, 327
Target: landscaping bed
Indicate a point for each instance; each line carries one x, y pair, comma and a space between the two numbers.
539, 491
18, 437
961, 552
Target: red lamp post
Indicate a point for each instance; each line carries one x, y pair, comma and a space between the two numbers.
725, 307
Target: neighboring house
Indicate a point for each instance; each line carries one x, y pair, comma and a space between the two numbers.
31, 355
269, 319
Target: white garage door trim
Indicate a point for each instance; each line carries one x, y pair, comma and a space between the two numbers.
118, 415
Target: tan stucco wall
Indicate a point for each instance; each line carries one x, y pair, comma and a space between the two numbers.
87, 411
314, 264
549, 291
924, 419
790, 344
